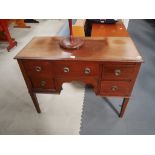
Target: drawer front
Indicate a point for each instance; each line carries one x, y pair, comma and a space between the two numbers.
37, 67
115, 88
77, 69
42, 83
118, 72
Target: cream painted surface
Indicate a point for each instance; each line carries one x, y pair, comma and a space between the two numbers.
126, 22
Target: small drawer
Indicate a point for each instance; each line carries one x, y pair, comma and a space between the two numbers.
42, 83
78, 69
115, 88
37, 67
118, 72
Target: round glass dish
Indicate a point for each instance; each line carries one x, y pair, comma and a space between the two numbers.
71, 42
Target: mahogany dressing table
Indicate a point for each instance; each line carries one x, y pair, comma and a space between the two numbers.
109, 64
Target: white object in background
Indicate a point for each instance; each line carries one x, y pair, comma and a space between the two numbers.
126, 22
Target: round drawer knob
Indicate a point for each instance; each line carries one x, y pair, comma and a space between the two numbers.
117, 72
66, 69
38, 68
87, 71
114, 88
43, 83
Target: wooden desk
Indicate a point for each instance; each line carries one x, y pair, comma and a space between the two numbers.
109, 64
109, 30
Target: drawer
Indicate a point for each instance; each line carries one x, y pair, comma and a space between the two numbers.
37, 67
78, 69
118, 72
115, 88
42, 83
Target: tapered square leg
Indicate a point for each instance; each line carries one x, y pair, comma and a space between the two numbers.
124, 105
35, 101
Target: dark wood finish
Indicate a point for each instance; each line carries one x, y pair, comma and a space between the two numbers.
115, 88
124, 105
42, 82
118, 71
35, 101
38, 67
29, 86
109, 64
76, 68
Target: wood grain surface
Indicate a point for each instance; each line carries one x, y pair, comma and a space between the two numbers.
97, 49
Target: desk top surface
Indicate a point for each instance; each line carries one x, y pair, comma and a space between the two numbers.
94, 49
107, 30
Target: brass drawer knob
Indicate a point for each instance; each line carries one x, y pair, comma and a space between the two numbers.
87, 71
114, 88
43, 83
66, 69
117, 72
38, 68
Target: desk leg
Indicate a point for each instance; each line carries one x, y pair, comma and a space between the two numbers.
35, 101
124, 105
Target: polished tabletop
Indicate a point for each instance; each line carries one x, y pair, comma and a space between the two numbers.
94, 49
109, 30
